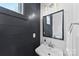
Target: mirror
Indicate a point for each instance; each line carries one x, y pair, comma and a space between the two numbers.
53, 25
47, 26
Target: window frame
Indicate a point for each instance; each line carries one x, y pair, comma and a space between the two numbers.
19, 8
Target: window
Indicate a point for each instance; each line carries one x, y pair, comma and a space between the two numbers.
17, 7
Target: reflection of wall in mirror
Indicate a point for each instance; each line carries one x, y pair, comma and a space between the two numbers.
57, 24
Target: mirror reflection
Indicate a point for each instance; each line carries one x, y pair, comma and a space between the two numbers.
53, 25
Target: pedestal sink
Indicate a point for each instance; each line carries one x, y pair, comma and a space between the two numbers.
45, 50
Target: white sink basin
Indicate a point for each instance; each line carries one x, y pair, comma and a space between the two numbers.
45, 50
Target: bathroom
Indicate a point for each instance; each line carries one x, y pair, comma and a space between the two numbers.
39, 29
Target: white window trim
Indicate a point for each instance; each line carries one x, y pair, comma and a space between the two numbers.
21, 8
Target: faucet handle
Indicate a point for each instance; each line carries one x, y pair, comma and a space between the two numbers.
51, 45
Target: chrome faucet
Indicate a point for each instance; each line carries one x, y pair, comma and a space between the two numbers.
51, 45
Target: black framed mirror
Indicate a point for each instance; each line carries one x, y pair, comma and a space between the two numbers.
53, 25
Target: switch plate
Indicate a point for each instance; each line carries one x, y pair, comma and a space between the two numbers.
34, 35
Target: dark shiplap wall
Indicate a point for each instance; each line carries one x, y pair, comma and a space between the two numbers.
16, 31
29, 9
15, 37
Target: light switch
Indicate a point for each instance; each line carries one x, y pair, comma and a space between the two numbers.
34, 35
